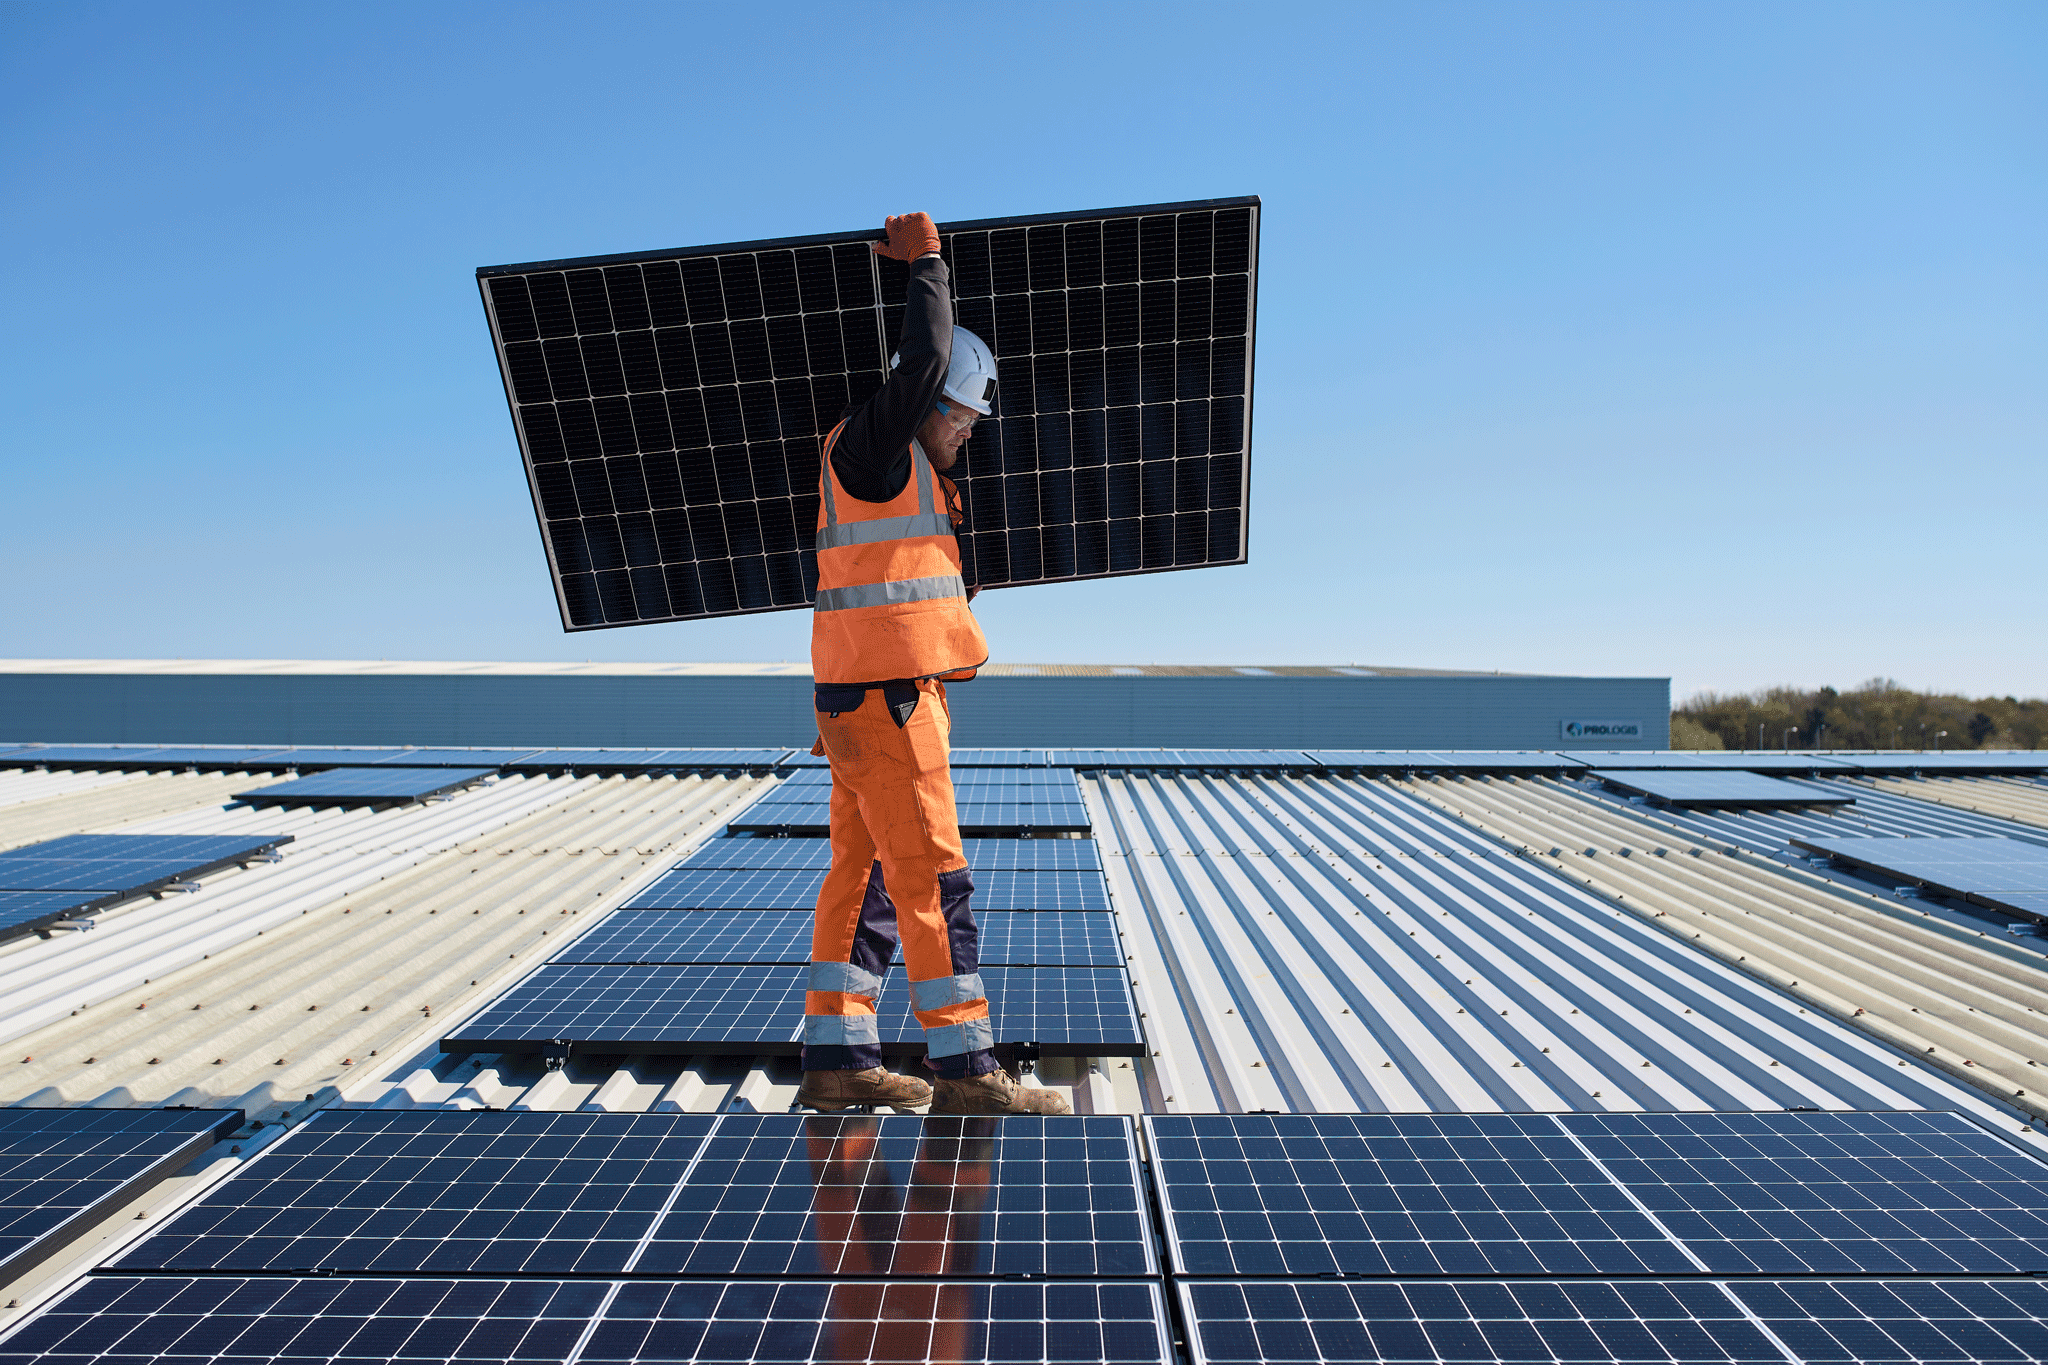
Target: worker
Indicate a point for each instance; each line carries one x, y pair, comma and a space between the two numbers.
889, 627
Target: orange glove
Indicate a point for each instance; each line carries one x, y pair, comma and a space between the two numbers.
910, 237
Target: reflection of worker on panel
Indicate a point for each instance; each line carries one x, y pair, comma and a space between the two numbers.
934, 1226
889, 627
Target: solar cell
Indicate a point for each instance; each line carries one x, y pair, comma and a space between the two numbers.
670, 405
781, 1194
983, 855
58, 1166
758, 1010
999, 758
180, 1319
399, 1192
1725, 790
1991, 871
1047, 939
1587, 1322
365, 786
1831, 1193
1420, 1194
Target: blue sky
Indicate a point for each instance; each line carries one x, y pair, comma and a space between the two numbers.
1705, 340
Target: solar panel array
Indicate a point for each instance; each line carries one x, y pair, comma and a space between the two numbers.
2005, 874
1598, 1194
757, 1010
1913, 1236
172, 1318
1723, 790
670, 406
42, 883
692, 1237
983, 855
57, 1165
386, 785
1038, 939
696, 888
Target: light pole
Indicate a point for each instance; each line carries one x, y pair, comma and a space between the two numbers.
1790, 731
1939, 736
1759, 736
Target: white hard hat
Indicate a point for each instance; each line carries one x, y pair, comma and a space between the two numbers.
971, 377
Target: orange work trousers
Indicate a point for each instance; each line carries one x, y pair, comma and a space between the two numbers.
898, 872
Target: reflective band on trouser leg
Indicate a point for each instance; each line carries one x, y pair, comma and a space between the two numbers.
843, 977
841, 1030
946, 990
891, 594
954, 1012
976, 1035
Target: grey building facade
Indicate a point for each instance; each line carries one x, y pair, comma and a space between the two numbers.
690, 705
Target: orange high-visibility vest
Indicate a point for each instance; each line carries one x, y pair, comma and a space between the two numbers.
891, 599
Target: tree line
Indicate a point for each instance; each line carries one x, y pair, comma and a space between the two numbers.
1878, 714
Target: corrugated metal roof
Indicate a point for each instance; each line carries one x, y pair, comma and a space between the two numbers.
1338, 944
1941, 987
1299, 942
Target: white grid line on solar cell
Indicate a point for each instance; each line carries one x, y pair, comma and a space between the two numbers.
326, 1321
378, 1191
831, 1195
1832, 1193
1038, 938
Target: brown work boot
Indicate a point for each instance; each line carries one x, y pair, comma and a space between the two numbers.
996, 1092
833, 1090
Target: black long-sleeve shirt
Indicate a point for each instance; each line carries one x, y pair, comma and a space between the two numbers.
872, 456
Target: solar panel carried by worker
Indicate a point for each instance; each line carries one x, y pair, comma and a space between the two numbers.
670, 411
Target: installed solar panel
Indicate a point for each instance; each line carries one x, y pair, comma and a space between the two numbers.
694, 888
174, 1318
2007, 874
758, 1010
25, 912
670, 405
812, 819
410, 1191
1394, 1195
1182, 758
57, 1166
133, 758
999, 758
1030, 855
454, 758
1769, 1193
1587, 1322
364, 786
100, 869
778, 1194
1047, 939
637, 760
1725, 790
1831, 1193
